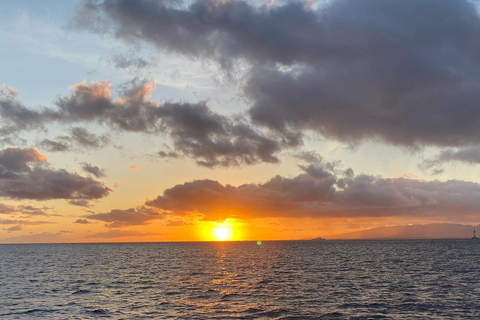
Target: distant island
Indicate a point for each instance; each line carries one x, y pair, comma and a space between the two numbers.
424, 231
318, 239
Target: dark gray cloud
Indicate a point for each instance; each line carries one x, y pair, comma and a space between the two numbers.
468, 155
168, 154
122, 218
85, 103
82, 221
123, 62
54, 146
94, 170
79, 203
37, 212
405, 72
14, 160
47, 184
437, 171
120, 234
212, 139
15, 116
79, 137
8, 141
323, 191
24, 210
87, 139
196, 131
298, 196
210, 29
25, 174
6, 209
14, 228
365, 190
316, 166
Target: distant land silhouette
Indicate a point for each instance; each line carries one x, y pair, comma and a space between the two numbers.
425, 231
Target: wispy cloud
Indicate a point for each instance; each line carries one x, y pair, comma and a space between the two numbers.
25, 222
14, 228
130, 217
44, 237
94, 170
82, 221
120, 234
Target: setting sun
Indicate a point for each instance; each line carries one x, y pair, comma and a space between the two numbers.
222, 231
221, 234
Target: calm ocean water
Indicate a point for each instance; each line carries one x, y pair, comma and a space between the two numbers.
406, 279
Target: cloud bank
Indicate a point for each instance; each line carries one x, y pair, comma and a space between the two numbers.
25, 174
325, 189
196, 131
403, 72
309, 196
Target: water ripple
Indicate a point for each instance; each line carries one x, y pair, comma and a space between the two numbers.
424, 279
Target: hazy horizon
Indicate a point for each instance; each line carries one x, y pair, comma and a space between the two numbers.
436, 231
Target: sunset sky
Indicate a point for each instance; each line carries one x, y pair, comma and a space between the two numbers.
142, 120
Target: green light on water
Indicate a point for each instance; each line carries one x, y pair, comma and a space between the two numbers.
259, 242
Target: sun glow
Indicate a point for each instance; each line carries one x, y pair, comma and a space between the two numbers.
221, 234
222, 231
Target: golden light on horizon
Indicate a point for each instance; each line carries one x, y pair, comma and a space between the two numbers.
221, 234
222, 231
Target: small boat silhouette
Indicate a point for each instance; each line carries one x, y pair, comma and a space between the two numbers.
474, 235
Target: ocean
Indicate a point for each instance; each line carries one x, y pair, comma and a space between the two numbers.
371, 279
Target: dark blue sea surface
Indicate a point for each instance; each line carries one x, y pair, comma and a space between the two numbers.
404, 279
